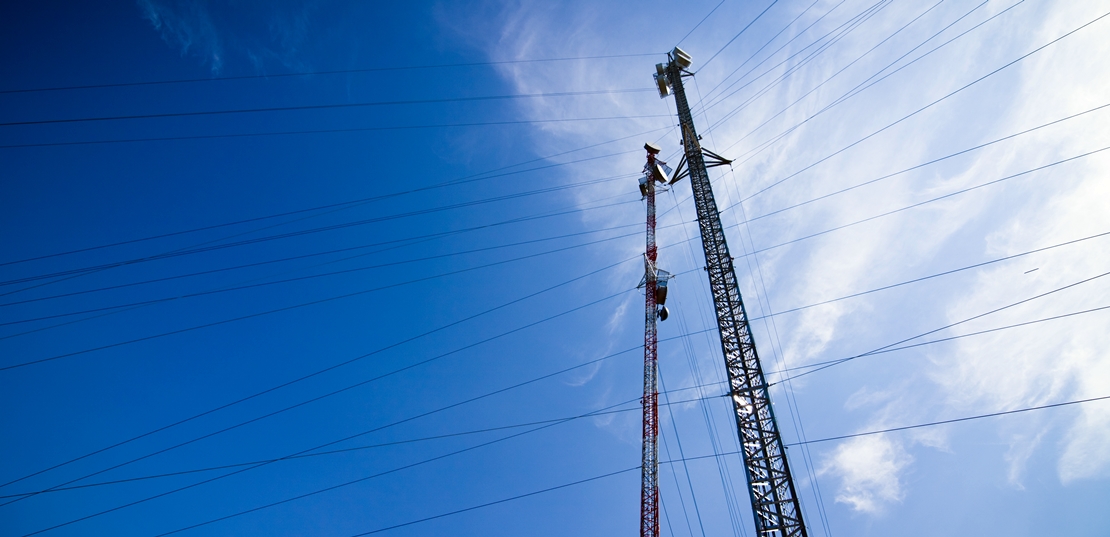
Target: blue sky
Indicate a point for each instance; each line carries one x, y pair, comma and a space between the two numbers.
457, 281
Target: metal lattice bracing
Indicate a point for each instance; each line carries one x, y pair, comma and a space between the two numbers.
774, 502
649, 469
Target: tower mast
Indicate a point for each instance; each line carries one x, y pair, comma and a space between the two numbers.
649, 469
775, 505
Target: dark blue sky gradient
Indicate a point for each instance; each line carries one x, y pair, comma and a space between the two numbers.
61, 190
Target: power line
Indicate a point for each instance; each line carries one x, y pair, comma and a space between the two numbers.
851, 26
324, 274
335, 366
702, 21
953, 338
919, 204
321, 229
319, 491
405, 242
936, 275
947, 326
673, 461
379, 474
271, 311
923, 164
720, 455
851, 22
330, 131
741, 32
332, 106
504, 500
327, 72
923, 108
347, 388
466, 179
771, 40
863, 86
768, 88
602, 412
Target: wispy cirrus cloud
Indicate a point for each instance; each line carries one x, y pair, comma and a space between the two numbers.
1004, 370
261, 34
186, 26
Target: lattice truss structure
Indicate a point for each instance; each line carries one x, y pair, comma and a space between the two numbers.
775, 505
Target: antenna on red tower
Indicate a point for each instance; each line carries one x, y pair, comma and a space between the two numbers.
655, 295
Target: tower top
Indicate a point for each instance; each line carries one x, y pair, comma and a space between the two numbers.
652, 148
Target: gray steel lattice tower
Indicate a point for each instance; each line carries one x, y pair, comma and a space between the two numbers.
775, 505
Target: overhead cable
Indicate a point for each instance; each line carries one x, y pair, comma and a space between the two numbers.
792, 69
867, 83
923, 164
325, 274
926, 107
953, 338
674, 461
771, 40
367, 104
921, 203
462, 180
950, 325
328, 131
829, 78
740, 33
328, 72
468, 432
321, 229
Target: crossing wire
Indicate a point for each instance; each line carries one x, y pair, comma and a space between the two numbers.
828, 79
953, 338
328, 72
404, 243
319, 229
741, 32
326, 131
855, 24
851, 23
306, 377
453, 182
928, 201
927, 106
347, 388
681, 453
729, 491
863, 86
336, 106
772, 39
320, 275
369, 446
909, 169
923, 164
117, 311
947, 326
363, 479
611, 474
330, 368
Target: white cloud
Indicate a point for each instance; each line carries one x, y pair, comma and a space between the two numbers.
868, 470
1044, 363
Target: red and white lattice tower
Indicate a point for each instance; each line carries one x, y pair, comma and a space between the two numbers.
649, 490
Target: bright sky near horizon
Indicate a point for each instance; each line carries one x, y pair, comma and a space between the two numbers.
395, 291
